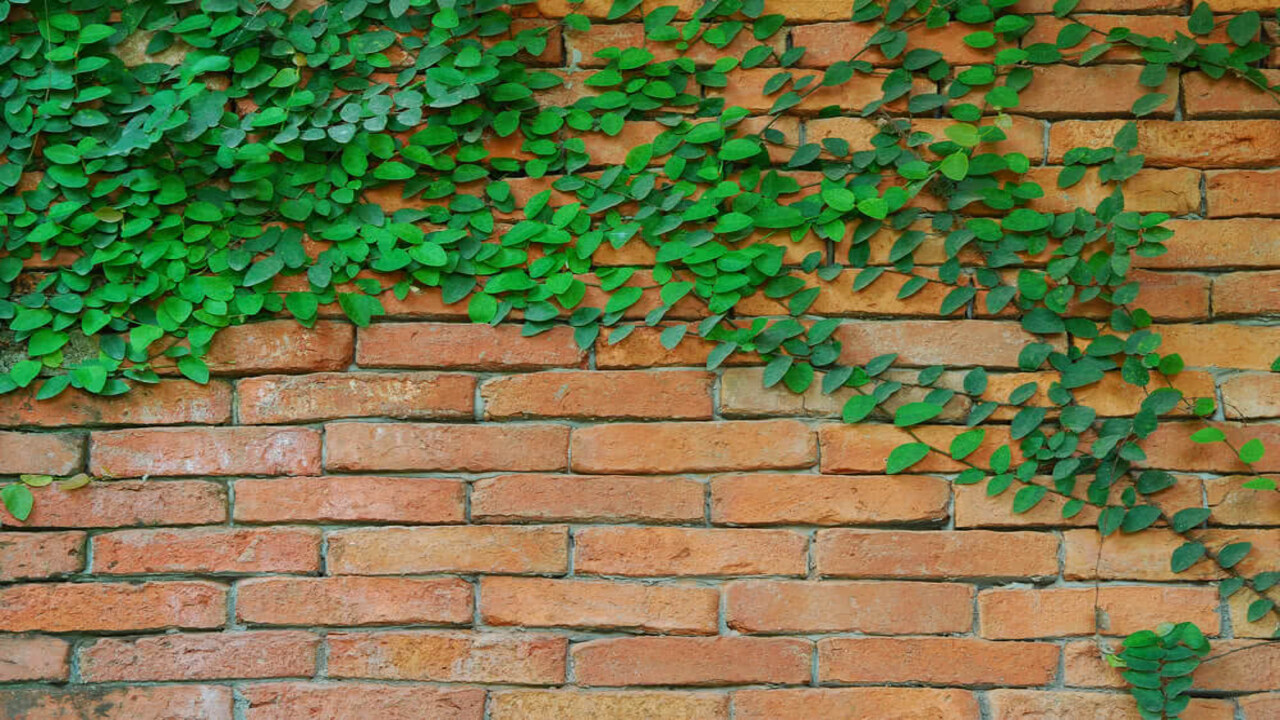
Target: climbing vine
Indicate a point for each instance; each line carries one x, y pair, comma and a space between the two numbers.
174, 168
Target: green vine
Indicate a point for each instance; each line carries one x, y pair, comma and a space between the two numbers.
174, 168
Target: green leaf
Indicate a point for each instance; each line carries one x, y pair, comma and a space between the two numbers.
1208, 435
1252, 451
1140, 517
1149, 103
857, 408
193, 368
1243, 28
18, 500
1258, 609
1186, 555
955, 166
916, 413
739, 149
904, 456
966, 442
1186, 519
1027, 498
1231, 555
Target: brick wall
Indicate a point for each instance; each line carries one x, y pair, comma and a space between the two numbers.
432, 519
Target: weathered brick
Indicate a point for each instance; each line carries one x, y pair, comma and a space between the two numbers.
1100, 90
1261, 706
624, 705
583, 46
1019, 704
935, 554
643, 348
1235, 193
1234, 504
650, 551
1126, 6
1175, 191
292, 700
465, 346
827, 499
1245, 666
542, 602
828, 43
156, 702
1238, 610
396, 551
205, 451
1228, 96
169, 402
408, 501
489, 657
880, 299
1146, 556
207, 550
1222, 345
40, 453
865, 448
1171, 446
864, 703
692, 661
591, 394
990, 343
746, 89
1024, 135
936, 661
121, 503
1219, 244
1166, 27
351, 601
1246, 293
1021, 614
34, 658
359, 446
112, 607
768, 606
276, 346
972, 507
743, 395
37, 556
585, 498
692, 447
1203, 144
202, 656
326, 396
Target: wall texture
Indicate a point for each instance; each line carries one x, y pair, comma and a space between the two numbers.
432, 519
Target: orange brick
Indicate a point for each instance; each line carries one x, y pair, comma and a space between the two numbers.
1234, 193
207, 550
397, 551
1015, 704
327, 396
692, 661
465, 346
1084, 665
156, 702
1222, 345
112, 607
1018, 614
827, 499
1165, 143
865, 448
34, 658
1246, 293
578, 498
353, 601
169, 402
1245, 666
205, 451
276, 346
936, 661
123, 503
692, 447
1234, 504
769, 606
634, 551
582, 47
1228, 96
1066, 91
557, 704
1126, 6
541, 602
643, 349
30, 556
1238, 609
1026, 135
746, 90
491, 657
877, 300
40, 454
586, 394
1261, 706
407, 501
1175, 191
204, 656
973, 508
1218, 244
356, 446
990, 343
292, 700
828, 43
939, 553
863, 703
1146, 556
1167, 27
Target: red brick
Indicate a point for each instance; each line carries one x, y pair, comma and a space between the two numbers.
864, 703
517, 658
582, 47
936, 661
1066, 91
828, 43
1233, 193
746, 89
353, 601
308, 398
1021, 614
1025, 135
1125, 6
205, 451
936, 554
692, 447
972, 507
650, 551
356, 446
276, 346
865, 448
1146, 556
1020, 704
1260, 706
692, 661
169, 402
26, 659
1228, 96
1218, 244
407, 501
624, 705
1175, 191
40, 454
827, 499
207, 550
36, 556
1171, 446
203, 656
290, 701
158, 702
643, 349
121, 503
1245, 666
112, 607
1246, 293
579, 498
1167, 27
1203, 144
397, 551
769, 606
1234, 504
541, 602
589, 394
1084, 665
465, 346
